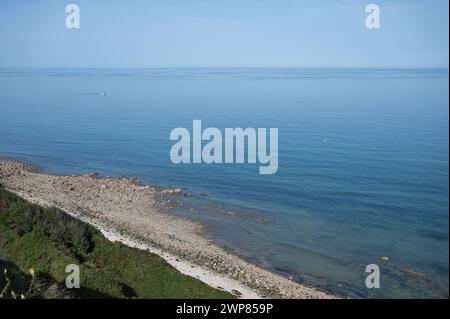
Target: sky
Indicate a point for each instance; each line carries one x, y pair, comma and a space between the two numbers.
224, 33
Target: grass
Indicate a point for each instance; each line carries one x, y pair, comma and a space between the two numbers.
47, 240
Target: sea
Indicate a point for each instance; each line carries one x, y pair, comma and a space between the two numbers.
363, 168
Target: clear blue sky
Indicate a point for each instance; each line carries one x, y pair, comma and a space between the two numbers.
224, 33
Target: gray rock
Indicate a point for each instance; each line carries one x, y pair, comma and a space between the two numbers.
236, 292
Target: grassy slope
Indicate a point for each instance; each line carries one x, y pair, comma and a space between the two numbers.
48, 240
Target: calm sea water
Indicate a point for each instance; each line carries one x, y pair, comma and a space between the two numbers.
363, 163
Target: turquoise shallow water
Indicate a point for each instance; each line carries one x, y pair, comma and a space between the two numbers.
363, 163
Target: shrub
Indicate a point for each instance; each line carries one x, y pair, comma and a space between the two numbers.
60, 227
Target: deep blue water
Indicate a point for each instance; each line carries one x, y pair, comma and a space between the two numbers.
363, 162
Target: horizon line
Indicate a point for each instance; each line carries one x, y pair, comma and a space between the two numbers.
231, 67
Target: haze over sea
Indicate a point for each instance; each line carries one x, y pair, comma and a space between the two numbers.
363, 160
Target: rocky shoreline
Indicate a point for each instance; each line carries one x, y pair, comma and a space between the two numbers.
126, 211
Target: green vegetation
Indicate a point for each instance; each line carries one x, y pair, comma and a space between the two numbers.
47, 240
